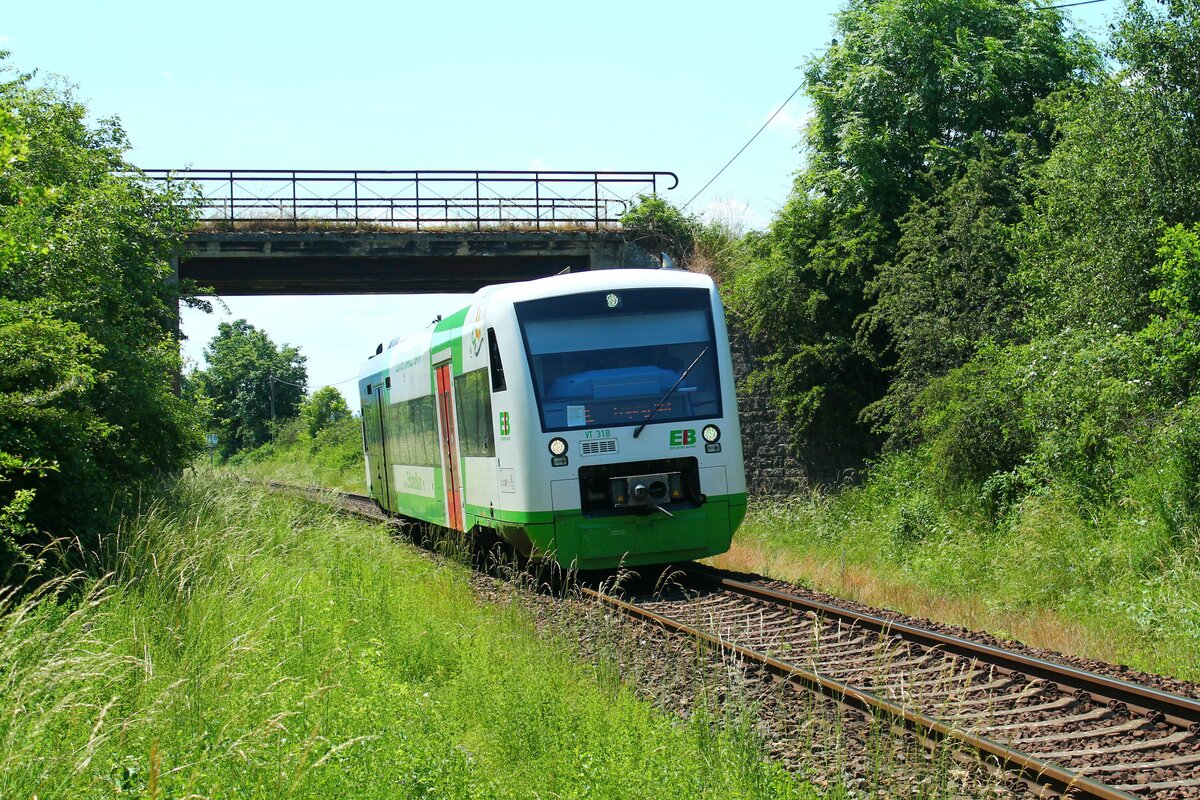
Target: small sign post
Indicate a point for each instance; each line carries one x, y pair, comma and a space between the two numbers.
212, 449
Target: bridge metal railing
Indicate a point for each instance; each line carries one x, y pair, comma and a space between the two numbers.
419, 199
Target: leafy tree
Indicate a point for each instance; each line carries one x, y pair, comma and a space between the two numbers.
799, 296
948, 290
251, 382
326, 407
914, 86
909, 94
88, 334
1175, 327
1126, 167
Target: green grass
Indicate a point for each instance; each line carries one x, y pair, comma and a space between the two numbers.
1118, 580
253, 645
332, 459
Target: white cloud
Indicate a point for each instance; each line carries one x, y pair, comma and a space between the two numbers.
791, 119
167, 74
733, 213
5, 39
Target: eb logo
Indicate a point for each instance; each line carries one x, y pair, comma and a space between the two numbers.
683, 438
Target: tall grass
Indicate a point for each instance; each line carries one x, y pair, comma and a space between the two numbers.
332, 459
259, 646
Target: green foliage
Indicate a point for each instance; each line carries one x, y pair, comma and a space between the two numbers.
919, 108
1158, 42
973, 418
1127, 165
47, 373
661, 227
333, 458
1088, 240
251, 384
326, 407
947, 290
88, 338
1179, 272
908, 88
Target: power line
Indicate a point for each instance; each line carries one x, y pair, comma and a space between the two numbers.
1072, 5
798, 88
313, 388
747, 144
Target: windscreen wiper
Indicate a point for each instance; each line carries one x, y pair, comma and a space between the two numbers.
658, 405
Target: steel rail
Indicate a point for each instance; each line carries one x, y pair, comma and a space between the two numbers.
1180, 711
1036, 770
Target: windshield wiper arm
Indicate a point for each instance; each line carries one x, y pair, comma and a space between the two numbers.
658, 405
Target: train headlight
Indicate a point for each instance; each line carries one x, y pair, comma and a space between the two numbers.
558, 446
711, 434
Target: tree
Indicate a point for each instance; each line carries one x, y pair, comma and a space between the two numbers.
948, 290
326, 407
1096, 391
1126, 167
251, 382
908, 95
88, 334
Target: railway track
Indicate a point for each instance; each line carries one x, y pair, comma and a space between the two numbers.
1064, 731
1059, 730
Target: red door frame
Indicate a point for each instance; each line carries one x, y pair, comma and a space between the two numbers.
451, 479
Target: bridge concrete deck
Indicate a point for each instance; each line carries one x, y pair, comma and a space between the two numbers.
393, 262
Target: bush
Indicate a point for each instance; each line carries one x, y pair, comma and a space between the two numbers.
661, 227
973, 418
333, 458
89, 343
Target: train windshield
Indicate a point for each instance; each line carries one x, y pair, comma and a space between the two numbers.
604, 359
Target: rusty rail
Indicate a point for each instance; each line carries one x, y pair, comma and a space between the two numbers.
930, 728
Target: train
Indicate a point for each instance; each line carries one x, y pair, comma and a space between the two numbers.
588, 419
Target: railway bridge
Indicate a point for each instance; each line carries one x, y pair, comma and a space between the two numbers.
295, 232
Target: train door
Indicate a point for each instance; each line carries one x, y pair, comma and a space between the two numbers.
453, 481
373, 418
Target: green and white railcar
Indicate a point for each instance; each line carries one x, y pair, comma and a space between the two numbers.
589, 418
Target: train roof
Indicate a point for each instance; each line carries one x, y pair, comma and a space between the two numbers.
591, 281
571, 283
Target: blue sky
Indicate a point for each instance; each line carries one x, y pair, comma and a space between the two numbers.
676, 86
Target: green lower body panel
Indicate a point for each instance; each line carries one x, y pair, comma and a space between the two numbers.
605, 542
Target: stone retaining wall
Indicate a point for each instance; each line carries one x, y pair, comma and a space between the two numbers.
771, 465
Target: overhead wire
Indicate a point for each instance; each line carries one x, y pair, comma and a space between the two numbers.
747, 144
312, 388
798, 88
1072, 5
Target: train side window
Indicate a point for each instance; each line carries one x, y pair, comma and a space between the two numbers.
498, 384
473, 405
